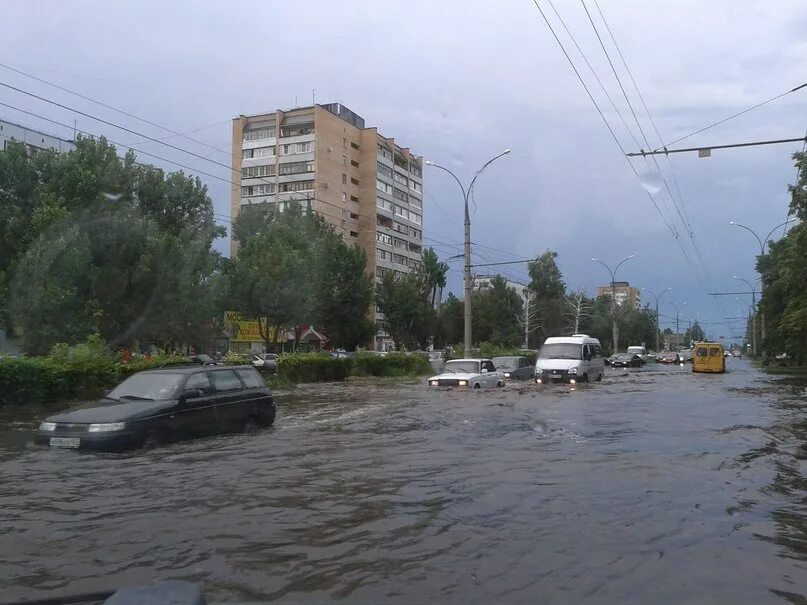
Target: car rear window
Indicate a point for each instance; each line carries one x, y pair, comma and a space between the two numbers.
225, 380
251, 378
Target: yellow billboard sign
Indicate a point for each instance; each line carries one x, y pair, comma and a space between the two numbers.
244, 329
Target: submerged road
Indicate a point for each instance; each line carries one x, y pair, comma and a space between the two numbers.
654, 486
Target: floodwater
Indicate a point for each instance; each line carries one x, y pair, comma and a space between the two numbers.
654, 486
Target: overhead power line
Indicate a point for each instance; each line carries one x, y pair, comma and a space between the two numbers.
739, 113
615, 138
802, 139
110, 107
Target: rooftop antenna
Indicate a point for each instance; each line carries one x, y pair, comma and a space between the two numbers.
313, 96
295, 101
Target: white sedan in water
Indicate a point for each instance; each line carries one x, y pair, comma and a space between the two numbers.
469, 373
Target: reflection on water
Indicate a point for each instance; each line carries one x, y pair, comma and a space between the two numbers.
652, 486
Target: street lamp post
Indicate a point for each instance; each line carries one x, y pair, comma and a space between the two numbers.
752, 317
657, 297
754, 349
466, 194
762, 244
614, 327
677, 331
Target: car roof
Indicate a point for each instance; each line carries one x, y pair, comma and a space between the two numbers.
195, 368
475, 359
579, 339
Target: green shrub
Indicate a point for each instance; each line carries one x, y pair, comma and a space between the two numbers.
237, 359
312, 367
393, 364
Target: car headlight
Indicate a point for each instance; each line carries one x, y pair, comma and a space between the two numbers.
433, 383
463, 383
47, 426
106, 427
572, 371
507, 374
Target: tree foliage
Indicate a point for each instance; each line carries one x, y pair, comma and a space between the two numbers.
548, 290
94, 243
293, 269
495, 312
408, 315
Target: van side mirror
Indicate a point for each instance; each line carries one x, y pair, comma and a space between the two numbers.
484, 370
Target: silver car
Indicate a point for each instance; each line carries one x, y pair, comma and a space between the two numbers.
265, 362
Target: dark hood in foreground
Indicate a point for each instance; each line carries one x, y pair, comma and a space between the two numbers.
109, 410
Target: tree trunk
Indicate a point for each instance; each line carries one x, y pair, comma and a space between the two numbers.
439, 297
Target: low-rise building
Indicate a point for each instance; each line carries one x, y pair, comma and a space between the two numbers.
624, 294
34, 140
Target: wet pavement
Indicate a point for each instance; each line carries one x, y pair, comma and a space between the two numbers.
654, 486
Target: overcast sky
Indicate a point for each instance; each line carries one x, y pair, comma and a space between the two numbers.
458, 82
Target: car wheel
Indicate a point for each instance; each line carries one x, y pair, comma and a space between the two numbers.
153, 439
500, 384
585, 378
477, 386
599, 378
250, 426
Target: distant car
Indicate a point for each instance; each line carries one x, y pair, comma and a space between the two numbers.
686, 355
265, 361
514, 368
671, 358
626, 360
201, 359
640, 351
338, 354
158, 406
737, 353
468, 373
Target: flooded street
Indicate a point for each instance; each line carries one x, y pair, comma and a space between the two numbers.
653, 486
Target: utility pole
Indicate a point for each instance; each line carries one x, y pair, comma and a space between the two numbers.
658, 327
468, 286
614, 327
753, 320
677, 329
754, 349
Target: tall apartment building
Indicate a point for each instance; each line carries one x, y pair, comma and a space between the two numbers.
624, 294
324, 158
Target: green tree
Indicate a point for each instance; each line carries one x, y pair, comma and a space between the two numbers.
548, 291
408, 316
695, 333
495, 312
450, 322
434, 273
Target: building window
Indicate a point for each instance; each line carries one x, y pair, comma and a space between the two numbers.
415, 170
401, 228
416, 233
353, 198
382, 186
399, 178
399, 243
259, 152
354, 181
381, 272
416, 186
400, 211
415, 218
344, 179
267, 189
354, 234
344, 142
259, 135
344, 160
354, 145
295, 148
385, 204
385, 170
297, 186
251, 172
354, 216
297, 130
354, 163
384, 152
296, 168
383, 238
416, 203
383, 255
399, 259
401, 195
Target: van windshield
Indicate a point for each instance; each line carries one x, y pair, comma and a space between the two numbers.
561, 351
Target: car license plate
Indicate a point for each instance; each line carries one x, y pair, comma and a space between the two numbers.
64, 441
554, 375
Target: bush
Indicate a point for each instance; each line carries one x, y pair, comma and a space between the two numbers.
312, 367
393, 364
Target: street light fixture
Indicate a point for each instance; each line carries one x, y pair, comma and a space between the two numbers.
754, 314
466, 193
614, 327
762, 244
657, 297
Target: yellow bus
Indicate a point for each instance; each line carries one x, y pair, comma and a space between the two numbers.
708, 357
